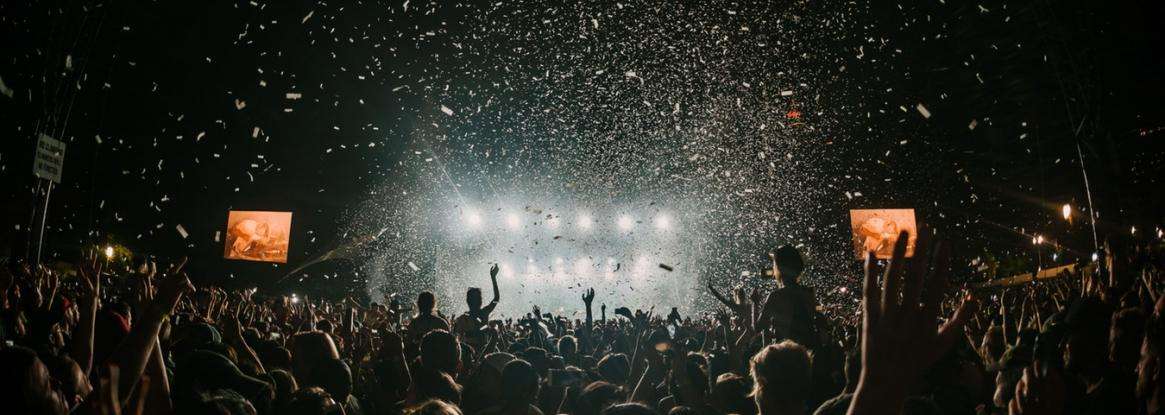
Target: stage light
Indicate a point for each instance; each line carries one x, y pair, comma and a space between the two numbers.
108, 252
559, 269
294, 299
473, 219
584, 222
1095, 257
1066, 210
512, 221
663, 222
642, 264
582, 266
626, 223
1038, 239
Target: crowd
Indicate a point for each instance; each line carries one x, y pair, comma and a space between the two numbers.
143, 341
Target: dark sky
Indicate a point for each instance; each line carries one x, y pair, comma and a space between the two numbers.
176, 112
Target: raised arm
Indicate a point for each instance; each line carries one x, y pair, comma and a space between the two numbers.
900, 341
588, 298
493, 279
133, 353
89, 271
732, 305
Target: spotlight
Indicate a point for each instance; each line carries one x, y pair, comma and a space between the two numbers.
108, 252
473, 219
663, 222
626, 223
584, 222
512, 221
1095, 257
1066, 210
582, 266
294, 299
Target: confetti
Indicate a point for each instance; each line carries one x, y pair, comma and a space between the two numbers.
922, 110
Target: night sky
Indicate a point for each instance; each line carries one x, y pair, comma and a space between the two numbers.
764, 122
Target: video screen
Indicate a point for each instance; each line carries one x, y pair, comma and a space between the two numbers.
258, 236
877, 229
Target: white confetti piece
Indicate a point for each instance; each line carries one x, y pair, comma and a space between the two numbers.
240, 104
974, 123
293, 95
922, 110
446, 110
414, 266
4, 89
255, 132
182, 231
308, 17
786, 93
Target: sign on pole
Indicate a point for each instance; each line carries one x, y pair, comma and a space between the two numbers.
49, 160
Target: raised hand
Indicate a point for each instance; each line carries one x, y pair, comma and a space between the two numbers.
493, 271
588, 297
170, 291
901, 337
89, 269
1040, 391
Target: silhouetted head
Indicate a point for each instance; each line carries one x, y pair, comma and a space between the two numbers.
440, 351
473, 298
780, 374
787, 264
521, 382
426, 302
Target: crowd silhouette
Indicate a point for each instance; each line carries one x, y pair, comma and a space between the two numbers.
139, 340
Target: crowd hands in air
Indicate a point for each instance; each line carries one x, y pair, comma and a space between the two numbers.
140, 341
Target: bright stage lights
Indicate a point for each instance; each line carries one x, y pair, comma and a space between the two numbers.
108, 252
582, 266
584, 222
663, 222
473, 219
1066, 210
626, 223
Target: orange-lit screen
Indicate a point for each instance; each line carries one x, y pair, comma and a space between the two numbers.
258, 236
877, 230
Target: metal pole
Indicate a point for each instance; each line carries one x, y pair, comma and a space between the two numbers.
1088, 192
44, 213
33, 212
